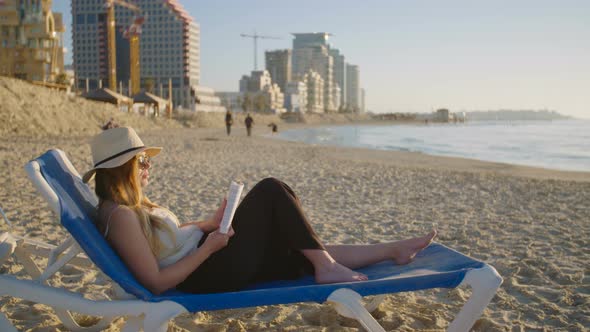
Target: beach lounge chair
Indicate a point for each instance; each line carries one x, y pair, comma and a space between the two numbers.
25, 249
435, 267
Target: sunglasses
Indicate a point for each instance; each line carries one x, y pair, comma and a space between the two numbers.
144, 162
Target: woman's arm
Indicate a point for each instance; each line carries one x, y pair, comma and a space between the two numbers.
128, 240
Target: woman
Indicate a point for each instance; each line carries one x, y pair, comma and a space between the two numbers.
271, 238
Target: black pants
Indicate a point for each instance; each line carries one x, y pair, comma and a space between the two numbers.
270, 230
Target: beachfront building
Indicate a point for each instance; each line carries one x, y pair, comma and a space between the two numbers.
264, 95
339, 75
207, 100
311, 39
336, 92
363, 107
311, 52
442, 115
314, 85
31, 36
296, 96
352, 87
257, 80
278, 64
169, 49
316, 59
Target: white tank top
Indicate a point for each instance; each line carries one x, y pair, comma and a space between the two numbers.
187, 238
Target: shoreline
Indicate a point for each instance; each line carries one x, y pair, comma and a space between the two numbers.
542, 171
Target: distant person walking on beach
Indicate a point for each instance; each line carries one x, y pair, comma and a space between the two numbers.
228, 122
273, 127
249, 122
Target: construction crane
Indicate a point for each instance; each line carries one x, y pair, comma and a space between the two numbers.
255, 37
132, 33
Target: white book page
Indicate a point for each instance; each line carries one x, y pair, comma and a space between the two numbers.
233, 199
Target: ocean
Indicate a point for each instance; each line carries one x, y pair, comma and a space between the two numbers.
561, 145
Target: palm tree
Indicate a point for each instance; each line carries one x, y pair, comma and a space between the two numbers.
261, 103
246, 102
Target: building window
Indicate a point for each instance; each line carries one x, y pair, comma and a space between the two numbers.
91, 19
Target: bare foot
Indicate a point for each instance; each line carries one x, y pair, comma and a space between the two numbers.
337, 272
404, 251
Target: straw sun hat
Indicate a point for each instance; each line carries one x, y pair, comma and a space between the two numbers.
114, 147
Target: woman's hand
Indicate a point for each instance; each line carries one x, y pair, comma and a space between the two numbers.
216, 241
216, 219
212, 224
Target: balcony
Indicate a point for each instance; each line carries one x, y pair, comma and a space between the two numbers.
42, 56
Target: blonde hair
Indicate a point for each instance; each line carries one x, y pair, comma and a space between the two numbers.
122, 186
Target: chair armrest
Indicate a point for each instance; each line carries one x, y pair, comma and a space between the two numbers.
34, 172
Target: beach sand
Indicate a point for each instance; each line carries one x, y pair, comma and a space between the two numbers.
531, 224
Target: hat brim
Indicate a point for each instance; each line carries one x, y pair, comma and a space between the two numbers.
151, 151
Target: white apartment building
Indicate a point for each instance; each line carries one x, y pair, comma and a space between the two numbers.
257, 80
317, 59
259, 83
208, 101
315, 92
353, 87
311, 52
296, 96
363, 108
336, 93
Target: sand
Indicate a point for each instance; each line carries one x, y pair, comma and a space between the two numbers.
531, 224
534, 229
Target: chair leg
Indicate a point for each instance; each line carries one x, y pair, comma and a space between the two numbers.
25, 259
348, 303
375, 302
484, 283
23, 254
7, 246
68, 321
57, 264
158, 316
133, 324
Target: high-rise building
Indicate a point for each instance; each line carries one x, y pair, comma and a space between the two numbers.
169, 49
31, 36
363, 105
311, 52
353, 87
317, 59
278, 64
303, 41
339, 74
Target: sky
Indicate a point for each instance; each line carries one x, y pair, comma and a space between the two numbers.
415, 56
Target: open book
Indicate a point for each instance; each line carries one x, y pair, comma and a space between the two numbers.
233, 198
